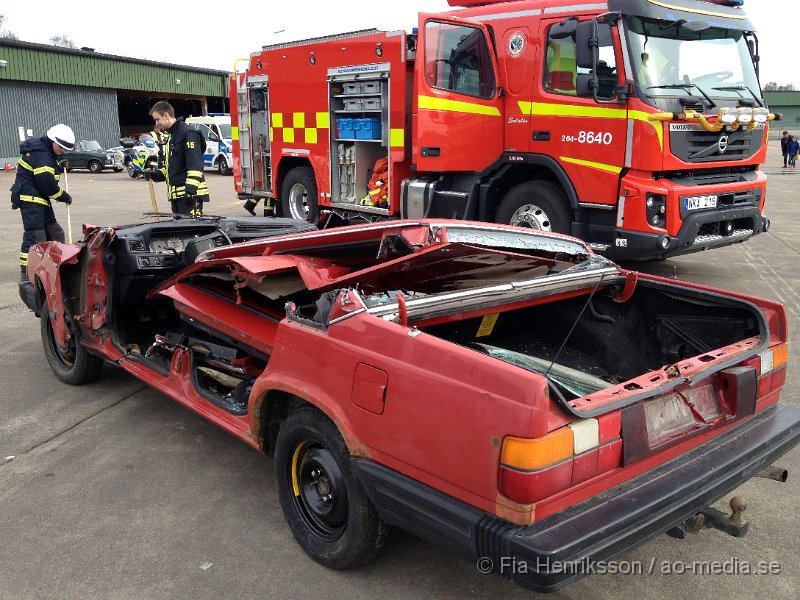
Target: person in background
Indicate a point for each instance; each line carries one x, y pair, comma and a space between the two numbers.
792, 149
36, 186
784, 143
183, 170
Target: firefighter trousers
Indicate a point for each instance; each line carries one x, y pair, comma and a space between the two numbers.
40, 225
187, 206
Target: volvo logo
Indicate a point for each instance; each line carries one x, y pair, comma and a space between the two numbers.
722, 143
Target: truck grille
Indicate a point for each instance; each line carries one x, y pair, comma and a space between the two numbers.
698, 145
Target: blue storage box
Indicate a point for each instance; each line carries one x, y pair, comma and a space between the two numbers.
368, 129
346, 128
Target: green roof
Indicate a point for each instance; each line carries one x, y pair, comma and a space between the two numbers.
52, 64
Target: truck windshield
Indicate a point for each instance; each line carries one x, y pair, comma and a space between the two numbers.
675, 58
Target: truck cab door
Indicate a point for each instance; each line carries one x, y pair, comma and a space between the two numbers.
588, 139
458, 108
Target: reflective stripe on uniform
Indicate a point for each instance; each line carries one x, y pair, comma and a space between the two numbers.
194, 174
35, 200
24, 165
58, 194
39, 170
23, 259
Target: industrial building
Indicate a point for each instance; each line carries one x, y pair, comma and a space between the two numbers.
101, 96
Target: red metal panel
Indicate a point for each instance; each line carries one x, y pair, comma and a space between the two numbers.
369, 388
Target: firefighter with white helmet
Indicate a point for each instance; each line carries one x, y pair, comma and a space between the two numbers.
36, 186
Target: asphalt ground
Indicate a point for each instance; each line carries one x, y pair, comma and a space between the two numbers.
113, 491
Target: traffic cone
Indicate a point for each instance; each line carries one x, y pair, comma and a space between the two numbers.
8, 167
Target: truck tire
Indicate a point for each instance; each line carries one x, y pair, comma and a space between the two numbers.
299, 195
325, 505
95, 166
73, 364
536, 204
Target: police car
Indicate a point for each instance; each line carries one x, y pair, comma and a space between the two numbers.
216, 130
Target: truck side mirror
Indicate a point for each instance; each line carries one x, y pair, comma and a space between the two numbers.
564, 30
585, 85
585, 44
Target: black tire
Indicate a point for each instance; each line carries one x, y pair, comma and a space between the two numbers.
73, 364
299, 195
222, 166
536, 204
328, 511
95, 166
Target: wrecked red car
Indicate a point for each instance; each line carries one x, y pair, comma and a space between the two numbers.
502, 392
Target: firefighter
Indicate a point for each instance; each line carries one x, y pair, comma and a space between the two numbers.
36, 186
183, 162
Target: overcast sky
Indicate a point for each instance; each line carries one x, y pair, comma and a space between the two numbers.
214, 37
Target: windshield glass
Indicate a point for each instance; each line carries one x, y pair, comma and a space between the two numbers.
670, 56
225, 130
91, 145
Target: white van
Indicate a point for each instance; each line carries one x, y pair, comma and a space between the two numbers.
216, 130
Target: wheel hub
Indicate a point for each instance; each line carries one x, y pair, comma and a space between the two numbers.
298, 201
530, 215
322, 500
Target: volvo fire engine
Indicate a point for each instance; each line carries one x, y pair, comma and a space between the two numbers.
636, 125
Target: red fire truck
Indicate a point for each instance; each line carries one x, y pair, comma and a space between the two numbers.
637, 125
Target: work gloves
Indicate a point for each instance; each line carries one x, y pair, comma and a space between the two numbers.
65, 198
191, 190
154, 174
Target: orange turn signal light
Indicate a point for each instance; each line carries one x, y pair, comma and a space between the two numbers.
780, 355
529, 454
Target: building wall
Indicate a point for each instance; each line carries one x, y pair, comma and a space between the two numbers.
788, 104
91, 112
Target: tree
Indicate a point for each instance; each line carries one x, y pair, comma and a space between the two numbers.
773, 86
5, 34
63, 41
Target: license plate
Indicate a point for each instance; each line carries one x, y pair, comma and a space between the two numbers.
698, 202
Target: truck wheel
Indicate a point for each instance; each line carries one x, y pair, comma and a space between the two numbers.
299, 195
222, 166
73, 364
325, 505
95, 166
536, 204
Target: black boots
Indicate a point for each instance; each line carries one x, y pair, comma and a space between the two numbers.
250, 206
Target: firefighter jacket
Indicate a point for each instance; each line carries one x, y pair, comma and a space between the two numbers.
38, 173
183, 169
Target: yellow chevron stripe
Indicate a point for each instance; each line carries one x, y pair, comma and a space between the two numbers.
397, 138
571, 110
594, 165
39, 170
431, 103
24, 165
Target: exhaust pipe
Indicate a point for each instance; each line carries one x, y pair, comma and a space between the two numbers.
775, 473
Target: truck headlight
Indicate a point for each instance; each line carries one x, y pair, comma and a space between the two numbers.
727, 115
744, 115
761, 115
